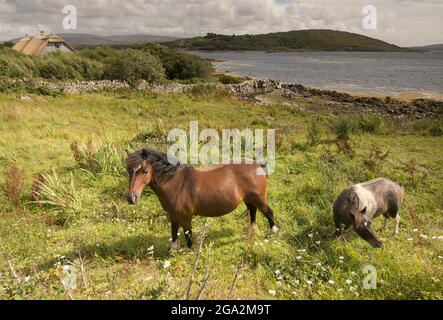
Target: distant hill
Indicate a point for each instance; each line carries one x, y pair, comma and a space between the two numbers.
86, 39
303, 40
432, 47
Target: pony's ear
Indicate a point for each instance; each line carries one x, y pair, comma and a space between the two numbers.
363, 211
145, 154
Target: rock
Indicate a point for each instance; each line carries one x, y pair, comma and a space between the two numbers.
26, 98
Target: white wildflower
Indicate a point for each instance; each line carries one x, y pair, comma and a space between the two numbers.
272, 292
166, 264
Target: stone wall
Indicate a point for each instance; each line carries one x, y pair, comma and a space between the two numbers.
250, 89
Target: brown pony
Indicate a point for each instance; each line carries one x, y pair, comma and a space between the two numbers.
185, 191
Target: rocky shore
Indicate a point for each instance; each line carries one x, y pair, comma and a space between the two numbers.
419, 108
252, 90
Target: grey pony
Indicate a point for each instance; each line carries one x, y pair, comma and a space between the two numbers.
358, 204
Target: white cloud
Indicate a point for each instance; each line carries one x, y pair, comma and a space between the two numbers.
403, 22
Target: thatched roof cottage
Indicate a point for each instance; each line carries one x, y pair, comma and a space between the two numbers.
42, 44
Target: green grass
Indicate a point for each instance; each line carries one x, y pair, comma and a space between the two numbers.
84, 209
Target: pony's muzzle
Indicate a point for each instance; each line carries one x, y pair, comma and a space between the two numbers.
378, 244
133, 199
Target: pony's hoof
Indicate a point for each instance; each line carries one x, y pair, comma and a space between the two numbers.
274, 229
174, 246
253, 226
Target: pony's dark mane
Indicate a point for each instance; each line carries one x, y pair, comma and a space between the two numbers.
353, 202
158, 160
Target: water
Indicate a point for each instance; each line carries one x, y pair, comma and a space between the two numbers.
371, 72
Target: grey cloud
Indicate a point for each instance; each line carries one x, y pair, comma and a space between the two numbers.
403, 22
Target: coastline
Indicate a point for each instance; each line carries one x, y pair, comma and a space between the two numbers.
406, 96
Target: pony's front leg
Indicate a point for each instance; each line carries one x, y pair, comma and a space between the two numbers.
187, 228
175, 244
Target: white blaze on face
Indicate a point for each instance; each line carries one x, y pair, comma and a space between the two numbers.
367, 200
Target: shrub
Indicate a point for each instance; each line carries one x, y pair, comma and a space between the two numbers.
51, 67
343, 127
16, 65
132, 65
372, 123
180, 65
227, 79
436, 131
314, 132
13, 185
87, 68
200, 90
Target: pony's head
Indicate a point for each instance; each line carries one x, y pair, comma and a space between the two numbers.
145, 167
362, 224
140, 173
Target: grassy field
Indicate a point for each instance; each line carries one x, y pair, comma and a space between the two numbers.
78, 142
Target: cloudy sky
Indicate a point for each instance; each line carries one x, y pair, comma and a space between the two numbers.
402, 22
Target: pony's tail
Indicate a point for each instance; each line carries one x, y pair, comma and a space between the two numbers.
265, 168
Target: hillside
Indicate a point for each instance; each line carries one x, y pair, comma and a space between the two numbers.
309, 40
432, 47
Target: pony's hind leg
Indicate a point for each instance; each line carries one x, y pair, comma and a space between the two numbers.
269, 213
252, 215
397, 223
259, 202
187, 228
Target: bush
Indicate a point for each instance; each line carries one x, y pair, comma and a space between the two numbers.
16, 65
227, 79
179, 65
53, 68
13, 185
149, 62
372, 123
202, 90
342, 128
87, 68
314, 132
436, 131
133, 65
